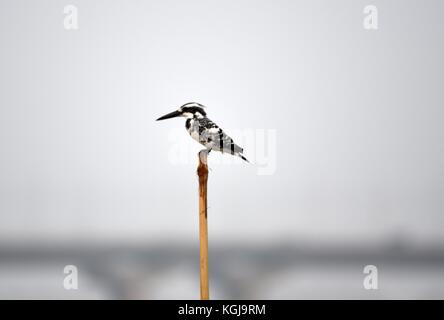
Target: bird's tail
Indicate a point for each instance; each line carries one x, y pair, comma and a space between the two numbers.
243, 158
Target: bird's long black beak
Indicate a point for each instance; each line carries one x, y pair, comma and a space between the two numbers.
170, 115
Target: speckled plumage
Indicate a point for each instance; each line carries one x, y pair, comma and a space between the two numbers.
210, 135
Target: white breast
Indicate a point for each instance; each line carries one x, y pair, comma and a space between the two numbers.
193, 130
195, 135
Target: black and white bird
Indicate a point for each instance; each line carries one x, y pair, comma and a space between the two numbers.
205, 131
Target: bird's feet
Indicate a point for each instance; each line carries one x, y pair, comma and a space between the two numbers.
203, 155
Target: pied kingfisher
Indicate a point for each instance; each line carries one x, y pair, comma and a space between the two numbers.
205, 131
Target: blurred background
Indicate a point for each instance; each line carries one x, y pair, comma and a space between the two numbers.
87, 177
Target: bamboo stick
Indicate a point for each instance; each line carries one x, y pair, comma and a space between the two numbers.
202, 172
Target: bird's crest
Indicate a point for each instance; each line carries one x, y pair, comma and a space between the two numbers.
193, 108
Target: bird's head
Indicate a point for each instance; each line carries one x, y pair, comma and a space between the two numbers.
189, 110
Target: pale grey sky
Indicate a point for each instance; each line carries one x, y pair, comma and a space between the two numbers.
357, 113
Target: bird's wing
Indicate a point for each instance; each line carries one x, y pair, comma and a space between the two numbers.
226, 144
212, 133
